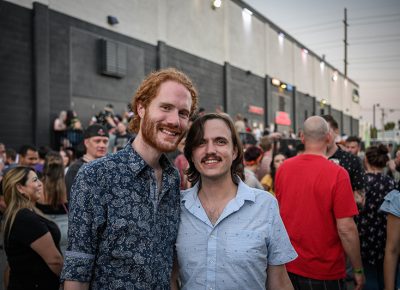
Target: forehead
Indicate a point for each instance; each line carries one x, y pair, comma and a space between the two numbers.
352, 143
98, 139
31, 175
216, 128
173, 93
30, 153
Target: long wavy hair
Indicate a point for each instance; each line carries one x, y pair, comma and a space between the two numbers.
54, 189
149, 88
13, 198
194, 138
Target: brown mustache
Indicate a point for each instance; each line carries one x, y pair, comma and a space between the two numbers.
210, 156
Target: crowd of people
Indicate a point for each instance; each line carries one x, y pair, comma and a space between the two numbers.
180, 203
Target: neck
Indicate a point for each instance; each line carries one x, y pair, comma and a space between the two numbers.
332, 150
316, 149
149, 154
252, 167
373, 169
88, 157
217, 190
214, 196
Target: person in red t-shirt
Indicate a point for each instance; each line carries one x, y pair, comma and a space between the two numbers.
317, 207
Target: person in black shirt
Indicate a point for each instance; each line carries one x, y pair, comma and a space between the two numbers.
96, 143
348, 161
30, 240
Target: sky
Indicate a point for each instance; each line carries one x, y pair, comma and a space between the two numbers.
374, 44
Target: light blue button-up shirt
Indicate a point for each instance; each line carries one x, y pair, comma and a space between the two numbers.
236, 251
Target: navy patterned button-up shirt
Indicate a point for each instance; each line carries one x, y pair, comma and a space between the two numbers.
122, 228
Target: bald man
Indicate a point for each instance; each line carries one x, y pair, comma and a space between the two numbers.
317, 207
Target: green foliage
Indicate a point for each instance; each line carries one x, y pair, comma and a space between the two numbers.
390, 126
374, 133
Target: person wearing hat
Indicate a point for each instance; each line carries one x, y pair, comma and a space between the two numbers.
96, 143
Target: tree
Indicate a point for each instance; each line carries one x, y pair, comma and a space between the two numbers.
390, 126
373, 132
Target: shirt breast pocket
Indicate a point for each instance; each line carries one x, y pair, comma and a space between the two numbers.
245, 246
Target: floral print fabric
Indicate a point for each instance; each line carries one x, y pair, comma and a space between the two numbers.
122, 228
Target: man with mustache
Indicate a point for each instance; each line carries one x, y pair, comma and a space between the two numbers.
231, 236
124, 211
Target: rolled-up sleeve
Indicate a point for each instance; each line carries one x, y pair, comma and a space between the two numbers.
85, 221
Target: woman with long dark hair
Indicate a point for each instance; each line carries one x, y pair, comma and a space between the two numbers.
30, 240
268, 180
53, 202
372, 223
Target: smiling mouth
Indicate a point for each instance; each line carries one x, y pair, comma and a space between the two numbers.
211, 160
170, 132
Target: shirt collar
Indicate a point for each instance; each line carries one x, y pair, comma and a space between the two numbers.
136, 163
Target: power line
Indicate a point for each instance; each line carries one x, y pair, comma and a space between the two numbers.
385, 68
380, 37
375, 16
324, 43
374, 22
380, 80
375, 61
357, 43
378, 57
377, 37
318, 29
375, 41
337, 22
330, 23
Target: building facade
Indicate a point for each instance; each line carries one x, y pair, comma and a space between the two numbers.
57, 55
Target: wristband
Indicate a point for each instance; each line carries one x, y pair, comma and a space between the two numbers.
358, 271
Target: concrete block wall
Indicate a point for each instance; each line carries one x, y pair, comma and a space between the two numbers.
16, 84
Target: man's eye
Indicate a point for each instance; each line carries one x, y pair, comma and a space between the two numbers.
221, 141
184, 115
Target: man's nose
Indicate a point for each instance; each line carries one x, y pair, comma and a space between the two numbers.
173, 118
210, 147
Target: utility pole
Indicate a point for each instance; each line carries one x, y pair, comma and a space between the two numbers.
383, 119
345, 42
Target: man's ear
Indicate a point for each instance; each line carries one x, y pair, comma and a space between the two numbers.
140, 110
329, 138
235, 153
302, 137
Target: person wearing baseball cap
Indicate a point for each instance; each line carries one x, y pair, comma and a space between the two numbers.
96, 143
